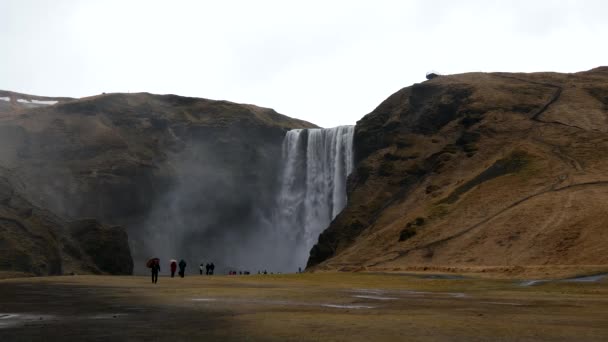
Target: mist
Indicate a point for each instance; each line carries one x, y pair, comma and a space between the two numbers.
242, 208
212, 214
219, 204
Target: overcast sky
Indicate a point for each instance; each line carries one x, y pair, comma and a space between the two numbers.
328, 62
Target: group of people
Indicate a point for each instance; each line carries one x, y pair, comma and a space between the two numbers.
182, 267
154, 265
209, 268
239, 273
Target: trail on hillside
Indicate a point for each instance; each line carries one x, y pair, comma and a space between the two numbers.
553, 99
436, 243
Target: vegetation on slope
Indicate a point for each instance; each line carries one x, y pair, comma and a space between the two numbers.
507, 170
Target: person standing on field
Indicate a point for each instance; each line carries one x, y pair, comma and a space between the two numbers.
182, 268
173, 268
155, 269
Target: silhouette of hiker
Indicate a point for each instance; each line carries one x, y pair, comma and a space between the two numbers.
211, 268
155, 269
182, 268
207, 268
200, 268
173, 268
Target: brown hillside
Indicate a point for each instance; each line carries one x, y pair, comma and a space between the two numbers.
179, 173
479, 172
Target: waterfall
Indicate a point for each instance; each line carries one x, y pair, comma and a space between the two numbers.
315, 166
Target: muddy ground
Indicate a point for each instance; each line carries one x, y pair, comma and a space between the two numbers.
302, 307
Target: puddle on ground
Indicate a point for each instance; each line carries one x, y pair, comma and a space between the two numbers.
361, 294
375, 297
526, 283
282, 302
399, 294
8, 320
443, 276
586, 279
457, 295
504, 303
107, 316
339, 306
249, 301
370, 291
8, 316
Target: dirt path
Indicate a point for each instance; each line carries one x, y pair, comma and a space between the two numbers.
308, 307
433, 244
536, 116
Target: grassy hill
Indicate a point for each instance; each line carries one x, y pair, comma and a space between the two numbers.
483, 172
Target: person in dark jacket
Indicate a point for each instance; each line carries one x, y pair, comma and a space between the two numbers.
173, 268
155, 269
182, 268
211, 268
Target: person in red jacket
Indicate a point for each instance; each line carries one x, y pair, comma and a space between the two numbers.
173, 267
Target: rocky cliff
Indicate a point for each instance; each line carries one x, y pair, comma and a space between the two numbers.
34, 241
184, 176
478, 172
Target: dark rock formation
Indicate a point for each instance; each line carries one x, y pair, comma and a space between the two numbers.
107, 246
37, 242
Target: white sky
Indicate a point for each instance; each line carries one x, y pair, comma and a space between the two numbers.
328, 62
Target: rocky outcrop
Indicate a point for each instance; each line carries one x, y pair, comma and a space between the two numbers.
107, 247
478, 170
37, 242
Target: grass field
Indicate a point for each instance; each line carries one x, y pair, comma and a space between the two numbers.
301, 307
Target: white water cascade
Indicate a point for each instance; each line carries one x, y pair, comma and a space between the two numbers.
316, 164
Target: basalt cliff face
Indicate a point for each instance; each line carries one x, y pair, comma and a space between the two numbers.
186, 177
488, 172
34, 241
